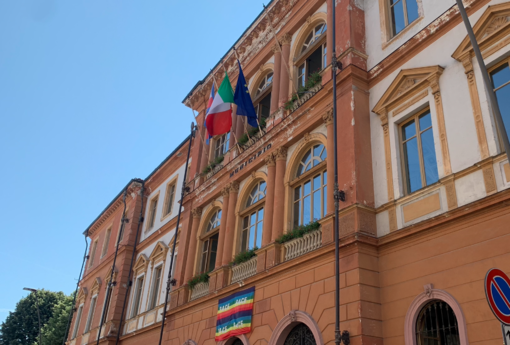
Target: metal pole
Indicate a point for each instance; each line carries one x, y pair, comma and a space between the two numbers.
128, 285
85, 257
336, 194
493, 102
170, 281
38, 316
111, 283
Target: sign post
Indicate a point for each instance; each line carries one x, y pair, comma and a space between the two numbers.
497, 291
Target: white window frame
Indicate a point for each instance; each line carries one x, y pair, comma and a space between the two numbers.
155, 287
77, 321
132, 311
90, 317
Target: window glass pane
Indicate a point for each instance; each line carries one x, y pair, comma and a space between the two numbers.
412, 11
425, 121
307, 188
397, 17
259, 228
262, 187
252, 236
325, 56
408, 130
317, 205
317, 182
253, 219
429, 157
500, 76
244, 239
297, 193
412, 165
301, 75
297, 213
317, 150
325, 201
307, 212
503, 96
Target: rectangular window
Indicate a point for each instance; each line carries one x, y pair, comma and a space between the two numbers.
77, 322
251, 235
402, 13
209, 249
91, 314
501, 83
221, 145
419, 155
156, 282
107, 305
106, 242
152, 213
92, 253
138, 296
169, 199
310, 202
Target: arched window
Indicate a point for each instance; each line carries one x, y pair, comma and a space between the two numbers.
253, 218
210, 243
309, 186
313, 54
300, 335
262, 100
437, 325
237, 341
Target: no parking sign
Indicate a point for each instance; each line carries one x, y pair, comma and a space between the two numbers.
497, 291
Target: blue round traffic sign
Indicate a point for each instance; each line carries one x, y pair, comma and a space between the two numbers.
497, 291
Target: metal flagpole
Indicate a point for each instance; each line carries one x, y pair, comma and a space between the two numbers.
337, 195
493, 102
280, 49
170, 281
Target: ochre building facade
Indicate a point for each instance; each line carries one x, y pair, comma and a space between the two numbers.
420, 160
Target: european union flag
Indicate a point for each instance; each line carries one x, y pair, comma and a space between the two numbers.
243, 100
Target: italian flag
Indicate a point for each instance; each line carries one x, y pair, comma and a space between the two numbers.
219, 117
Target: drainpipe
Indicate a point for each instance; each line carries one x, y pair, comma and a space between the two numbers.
73, 309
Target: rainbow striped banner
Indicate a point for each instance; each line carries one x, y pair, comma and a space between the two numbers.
234, 314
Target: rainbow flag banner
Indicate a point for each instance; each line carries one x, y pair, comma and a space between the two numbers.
234, 314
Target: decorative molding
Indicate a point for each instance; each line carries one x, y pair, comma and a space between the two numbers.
286, 39
159, 253
94, 289
489, 178
327, 117
270, 160
288, 322
82, 295
451, 192
109, 274
196, 212
234, 187
281, 153
392, 215
429, 294
141, 265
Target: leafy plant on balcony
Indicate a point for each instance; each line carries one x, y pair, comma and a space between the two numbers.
314, 79
244, 256
201, 278
298, 232
243, 139
213, 165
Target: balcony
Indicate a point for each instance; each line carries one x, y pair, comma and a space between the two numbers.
199, 290
299, 246
245, 270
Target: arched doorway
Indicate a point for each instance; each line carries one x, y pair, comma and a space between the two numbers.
300, 335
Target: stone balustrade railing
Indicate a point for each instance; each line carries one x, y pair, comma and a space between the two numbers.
244, 270
302, 245
199, 290
214, 171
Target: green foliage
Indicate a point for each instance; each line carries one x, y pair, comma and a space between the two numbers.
244, 256
298, 232
252, 132
211, 166
201, 278
314, 79
22, 325
55, 329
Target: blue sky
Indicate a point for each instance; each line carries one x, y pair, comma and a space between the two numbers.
90, 97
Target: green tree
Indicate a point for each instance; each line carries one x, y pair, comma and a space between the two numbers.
21, 327
54, 330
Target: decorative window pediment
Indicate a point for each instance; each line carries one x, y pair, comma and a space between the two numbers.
109, 274
159, 253
141, 264
95, 287
82, 294
491, 32
409, 86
